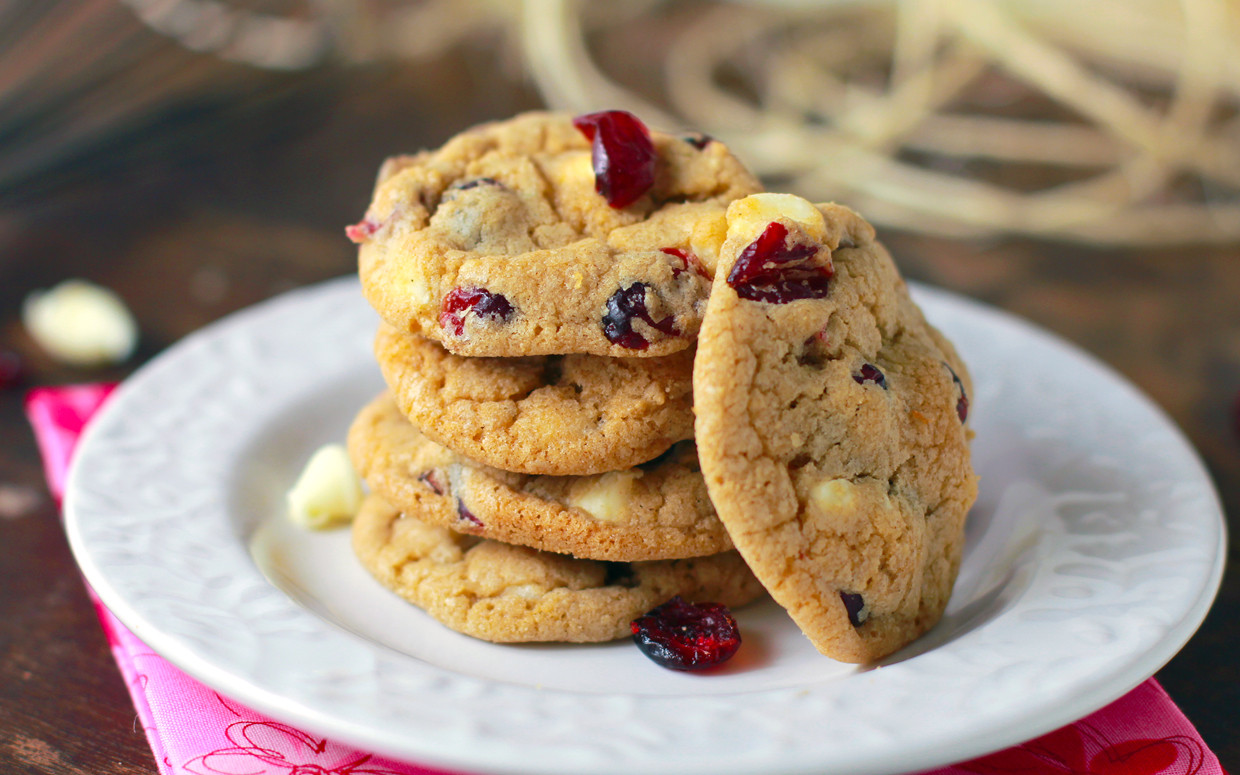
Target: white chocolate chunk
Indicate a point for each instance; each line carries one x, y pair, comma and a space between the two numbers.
81, 324
707, 239
834, 496
573, 169
419, 289
328, 493
749, 217
527, 591
606, 498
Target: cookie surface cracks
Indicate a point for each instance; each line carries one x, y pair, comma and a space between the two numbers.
551, 414
512, 594
844, 487
660, 510
509, 210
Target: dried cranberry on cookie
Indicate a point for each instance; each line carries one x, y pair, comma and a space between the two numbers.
541, 414
657, 511
513, 594
830, 428
541, 235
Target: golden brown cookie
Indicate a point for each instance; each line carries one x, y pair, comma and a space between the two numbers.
832, 427
656, 511
498, 244
510, 594
550, 414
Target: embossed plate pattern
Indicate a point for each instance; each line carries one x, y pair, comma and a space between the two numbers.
1093, 554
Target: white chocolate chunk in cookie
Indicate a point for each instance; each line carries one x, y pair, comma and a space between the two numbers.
527, 591
834, 496
419, 288
328, 493
707, 238
749, 217
571, 169
845, 502
607, 497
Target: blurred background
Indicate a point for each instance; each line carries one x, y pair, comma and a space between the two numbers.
1077, 163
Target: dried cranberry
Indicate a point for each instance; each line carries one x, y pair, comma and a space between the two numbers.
12, 372
622, 154
698, 140
870, 373
434, 480
459, 302
689, 261
770, 270
619, 574
855, 605
465, 515
475, 182
962, 403
625, 305
361, 231
687, 636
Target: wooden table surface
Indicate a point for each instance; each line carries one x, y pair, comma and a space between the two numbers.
192, 226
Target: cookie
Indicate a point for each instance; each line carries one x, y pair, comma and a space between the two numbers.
499, 244
511, 594
657, 511
831, 424
548, 414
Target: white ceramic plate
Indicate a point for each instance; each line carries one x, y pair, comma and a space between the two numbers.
1092, 555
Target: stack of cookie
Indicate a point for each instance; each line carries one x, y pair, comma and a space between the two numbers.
534, 476
558, 297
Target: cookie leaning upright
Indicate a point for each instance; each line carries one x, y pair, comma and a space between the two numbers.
831, 427
501, 244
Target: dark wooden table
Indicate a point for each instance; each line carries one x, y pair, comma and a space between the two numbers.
252, 202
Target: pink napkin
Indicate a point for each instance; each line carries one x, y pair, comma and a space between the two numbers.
192, 729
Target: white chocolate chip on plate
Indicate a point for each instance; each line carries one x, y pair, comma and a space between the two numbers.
328, 493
